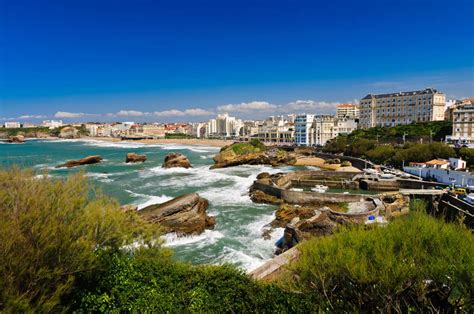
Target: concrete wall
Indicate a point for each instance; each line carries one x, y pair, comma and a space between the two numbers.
393, 185
294, 197
356, 162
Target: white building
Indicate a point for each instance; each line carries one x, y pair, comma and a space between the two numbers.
349, 111
457, 163
52, 124
327, 127
463, 123
12, 125
224, 126
303, 129
402, 108
276, 131
198, 129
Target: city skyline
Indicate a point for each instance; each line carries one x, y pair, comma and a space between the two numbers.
189, 61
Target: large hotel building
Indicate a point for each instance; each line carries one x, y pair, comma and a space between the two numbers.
401, 108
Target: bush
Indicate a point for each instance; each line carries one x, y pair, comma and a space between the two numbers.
50, 233
147, 282
253, 146
417, 263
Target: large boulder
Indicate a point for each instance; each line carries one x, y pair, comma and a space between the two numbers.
184, 214
16, 139
173, 160
252, 153
68, 132
83, 161
133, 157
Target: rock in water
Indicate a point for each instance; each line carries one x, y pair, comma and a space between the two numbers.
133, 157
184, 214
69, 132
251, 153
176, 160
84, 161
16, 139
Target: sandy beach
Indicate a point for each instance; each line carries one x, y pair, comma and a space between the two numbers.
319, 162
184, 141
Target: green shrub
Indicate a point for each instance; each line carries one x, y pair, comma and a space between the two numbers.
417, 263
253, 146
51, 232
149, 282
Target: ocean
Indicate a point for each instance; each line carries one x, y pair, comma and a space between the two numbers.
237, 236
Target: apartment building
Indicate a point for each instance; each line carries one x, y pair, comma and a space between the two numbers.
327, 127
52, 123
402, 108
278, 132
348, 111
303, 129
224, 126
12, 125
463, 123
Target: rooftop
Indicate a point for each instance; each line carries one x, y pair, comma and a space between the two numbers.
411, 93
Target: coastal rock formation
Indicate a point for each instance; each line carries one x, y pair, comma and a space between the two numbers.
185, 214
252, 153
133, 157
68, 132
83, 161
18, 139
129, 208
176, 160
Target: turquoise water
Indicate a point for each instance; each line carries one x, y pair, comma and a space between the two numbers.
236, 238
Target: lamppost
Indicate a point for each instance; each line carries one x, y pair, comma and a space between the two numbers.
404, 137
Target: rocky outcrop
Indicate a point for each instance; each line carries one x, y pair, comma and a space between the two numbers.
176, 160
18, 139
229, 157
129, 208
83, 161
68, 132
133, 157
185, 214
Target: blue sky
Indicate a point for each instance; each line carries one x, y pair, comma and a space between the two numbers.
186, 60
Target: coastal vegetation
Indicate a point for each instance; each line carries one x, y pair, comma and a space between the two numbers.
416, 263
67, 247
27, 132
386, 145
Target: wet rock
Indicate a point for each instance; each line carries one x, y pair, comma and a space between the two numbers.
173, 160
185, 214
261, 197
263, 175
18, 139
83, 161
68, 132
133, 157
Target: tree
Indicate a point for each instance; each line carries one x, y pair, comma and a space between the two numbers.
381, 154
51, 232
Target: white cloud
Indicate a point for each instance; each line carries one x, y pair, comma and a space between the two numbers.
64, 114
197, 112
309, 105
32, 117
247, 106
179, 113
134, 113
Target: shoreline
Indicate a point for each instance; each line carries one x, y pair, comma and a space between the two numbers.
184, 141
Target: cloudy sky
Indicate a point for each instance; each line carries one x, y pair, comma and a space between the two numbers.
182, 60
